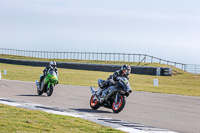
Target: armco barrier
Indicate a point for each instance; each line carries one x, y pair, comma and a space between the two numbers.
159, 71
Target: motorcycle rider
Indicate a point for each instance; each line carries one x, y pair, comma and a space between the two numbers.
123, 72
52, 65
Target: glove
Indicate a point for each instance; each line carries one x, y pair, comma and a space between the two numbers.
112, 81
119, 79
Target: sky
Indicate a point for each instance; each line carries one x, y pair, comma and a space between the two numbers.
167, 29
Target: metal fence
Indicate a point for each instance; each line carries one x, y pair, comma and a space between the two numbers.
100, 56
191, 68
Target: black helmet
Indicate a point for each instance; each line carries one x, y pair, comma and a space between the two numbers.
126, 69
52, 64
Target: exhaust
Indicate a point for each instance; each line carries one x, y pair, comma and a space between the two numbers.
92, 90
37, 83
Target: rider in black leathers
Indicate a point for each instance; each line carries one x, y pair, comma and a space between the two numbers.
124, 72
52, 65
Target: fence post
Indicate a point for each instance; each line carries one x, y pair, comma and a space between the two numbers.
139, 58
185, 67
74, 55
40, 53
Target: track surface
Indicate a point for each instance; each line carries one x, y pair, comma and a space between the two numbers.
172, 112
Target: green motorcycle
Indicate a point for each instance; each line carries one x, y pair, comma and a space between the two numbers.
47, 85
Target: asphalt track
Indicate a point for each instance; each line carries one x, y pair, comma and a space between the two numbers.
173, 112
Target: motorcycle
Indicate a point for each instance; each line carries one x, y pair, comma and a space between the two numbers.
113, 97
48, 84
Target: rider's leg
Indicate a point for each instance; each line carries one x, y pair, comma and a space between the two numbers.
41, 79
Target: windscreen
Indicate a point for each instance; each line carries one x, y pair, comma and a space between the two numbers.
125, 83
52, 72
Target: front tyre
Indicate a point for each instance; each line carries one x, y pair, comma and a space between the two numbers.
119, 105
50, 90
94, 103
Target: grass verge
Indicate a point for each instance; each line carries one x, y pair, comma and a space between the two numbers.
14, 119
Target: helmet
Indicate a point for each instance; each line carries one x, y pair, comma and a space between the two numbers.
52, 64
126, 69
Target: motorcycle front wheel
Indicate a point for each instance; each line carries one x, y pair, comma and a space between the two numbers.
50, 90
119, 105
94, 103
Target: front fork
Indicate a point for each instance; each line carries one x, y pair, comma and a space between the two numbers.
97, 94
117, 98
48, 86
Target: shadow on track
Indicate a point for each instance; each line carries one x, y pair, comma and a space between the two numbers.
32, 95
90, 110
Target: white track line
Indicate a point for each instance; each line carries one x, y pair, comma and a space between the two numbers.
110, 122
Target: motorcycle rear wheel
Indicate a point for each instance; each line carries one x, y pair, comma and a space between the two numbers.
117, 107
39, 92
94, 104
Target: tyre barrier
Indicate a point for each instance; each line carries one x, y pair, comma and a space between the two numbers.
144, 70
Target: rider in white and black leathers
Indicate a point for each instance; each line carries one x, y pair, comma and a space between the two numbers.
124, 72
52, 65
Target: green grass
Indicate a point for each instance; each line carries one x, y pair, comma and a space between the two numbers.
14, 119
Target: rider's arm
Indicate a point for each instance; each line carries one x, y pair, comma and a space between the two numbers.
45, 70
115, 75
127, 77
56, 70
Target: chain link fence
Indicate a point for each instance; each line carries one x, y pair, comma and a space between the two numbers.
100, 56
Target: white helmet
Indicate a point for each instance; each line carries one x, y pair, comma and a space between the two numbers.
52, 64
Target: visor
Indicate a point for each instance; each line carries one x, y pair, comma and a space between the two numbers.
53, 65
128, 71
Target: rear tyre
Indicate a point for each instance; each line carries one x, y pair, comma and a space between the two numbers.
39, 92
117, 107
94, 103
50, 90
